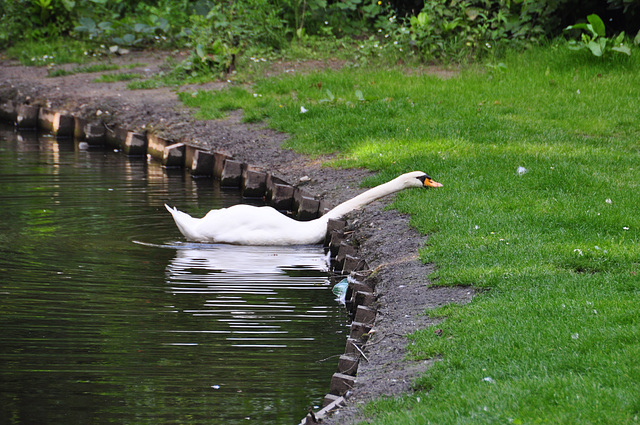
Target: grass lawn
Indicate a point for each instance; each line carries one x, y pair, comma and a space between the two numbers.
121, 76
540, 162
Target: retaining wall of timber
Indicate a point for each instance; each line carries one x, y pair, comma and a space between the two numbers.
253, 183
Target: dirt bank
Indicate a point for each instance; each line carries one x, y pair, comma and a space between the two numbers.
385, 239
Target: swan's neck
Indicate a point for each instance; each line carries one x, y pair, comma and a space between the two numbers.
364, 199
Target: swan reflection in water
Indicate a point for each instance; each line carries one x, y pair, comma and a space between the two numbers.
244, 259
258, 296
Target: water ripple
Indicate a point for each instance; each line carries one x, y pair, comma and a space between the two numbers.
242, 287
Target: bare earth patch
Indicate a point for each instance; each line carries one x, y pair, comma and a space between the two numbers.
386, 241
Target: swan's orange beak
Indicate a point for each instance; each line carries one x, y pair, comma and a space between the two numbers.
431, 183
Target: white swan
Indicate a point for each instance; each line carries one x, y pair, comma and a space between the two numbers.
249, 225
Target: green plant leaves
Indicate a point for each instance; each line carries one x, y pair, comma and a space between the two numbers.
622, 49
595, 39
86, 25
596, 24
330, 97
619, 46
422, 20
597, 47
127, 39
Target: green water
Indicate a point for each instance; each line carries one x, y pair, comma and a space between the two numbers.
107, 317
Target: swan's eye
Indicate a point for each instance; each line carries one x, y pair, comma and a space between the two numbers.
423, 178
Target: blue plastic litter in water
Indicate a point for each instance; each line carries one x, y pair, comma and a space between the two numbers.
340, 290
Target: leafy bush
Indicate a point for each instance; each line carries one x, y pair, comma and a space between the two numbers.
334, 18
33, 19
594, 38
49, 52
220, 31
156, 30
227, 30
40, 19
455, 30
162, 23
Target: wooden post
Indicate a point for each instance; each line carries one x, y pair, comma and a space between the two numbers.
45, 119
254, 183
174, 155
341, 383
156, 146
308, 208
365, 315
218, 164
135, 144
282, 198
94, 133
348, 365
359, 330
64, 125
231, 174
201, 163
27, 116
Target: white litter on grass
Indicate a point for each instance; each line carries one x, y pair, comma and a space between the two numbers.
522, 170
303, 110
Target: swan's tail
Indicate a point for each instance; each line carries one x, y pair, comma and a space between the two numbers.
186, 224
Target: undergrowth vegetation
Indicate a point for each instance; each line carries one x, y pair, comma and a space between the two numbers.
539, 161
223, 35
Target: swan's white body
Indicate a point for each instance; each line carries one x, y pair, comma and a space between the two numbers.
249, 225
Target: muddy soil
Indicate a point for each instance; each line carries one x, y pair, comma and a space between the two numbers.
386, 241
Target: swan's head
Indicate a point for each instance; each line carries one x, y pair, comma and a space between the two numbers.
418, 179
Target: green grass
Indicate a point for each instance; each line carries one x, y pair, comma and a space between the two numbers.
50, 52
101, 67
97, 67
150, 83
555, 338
58, 72
112, 78
135, 65
256, 62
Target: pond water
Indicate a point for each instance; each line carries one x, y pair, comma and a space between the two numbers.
106, 317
